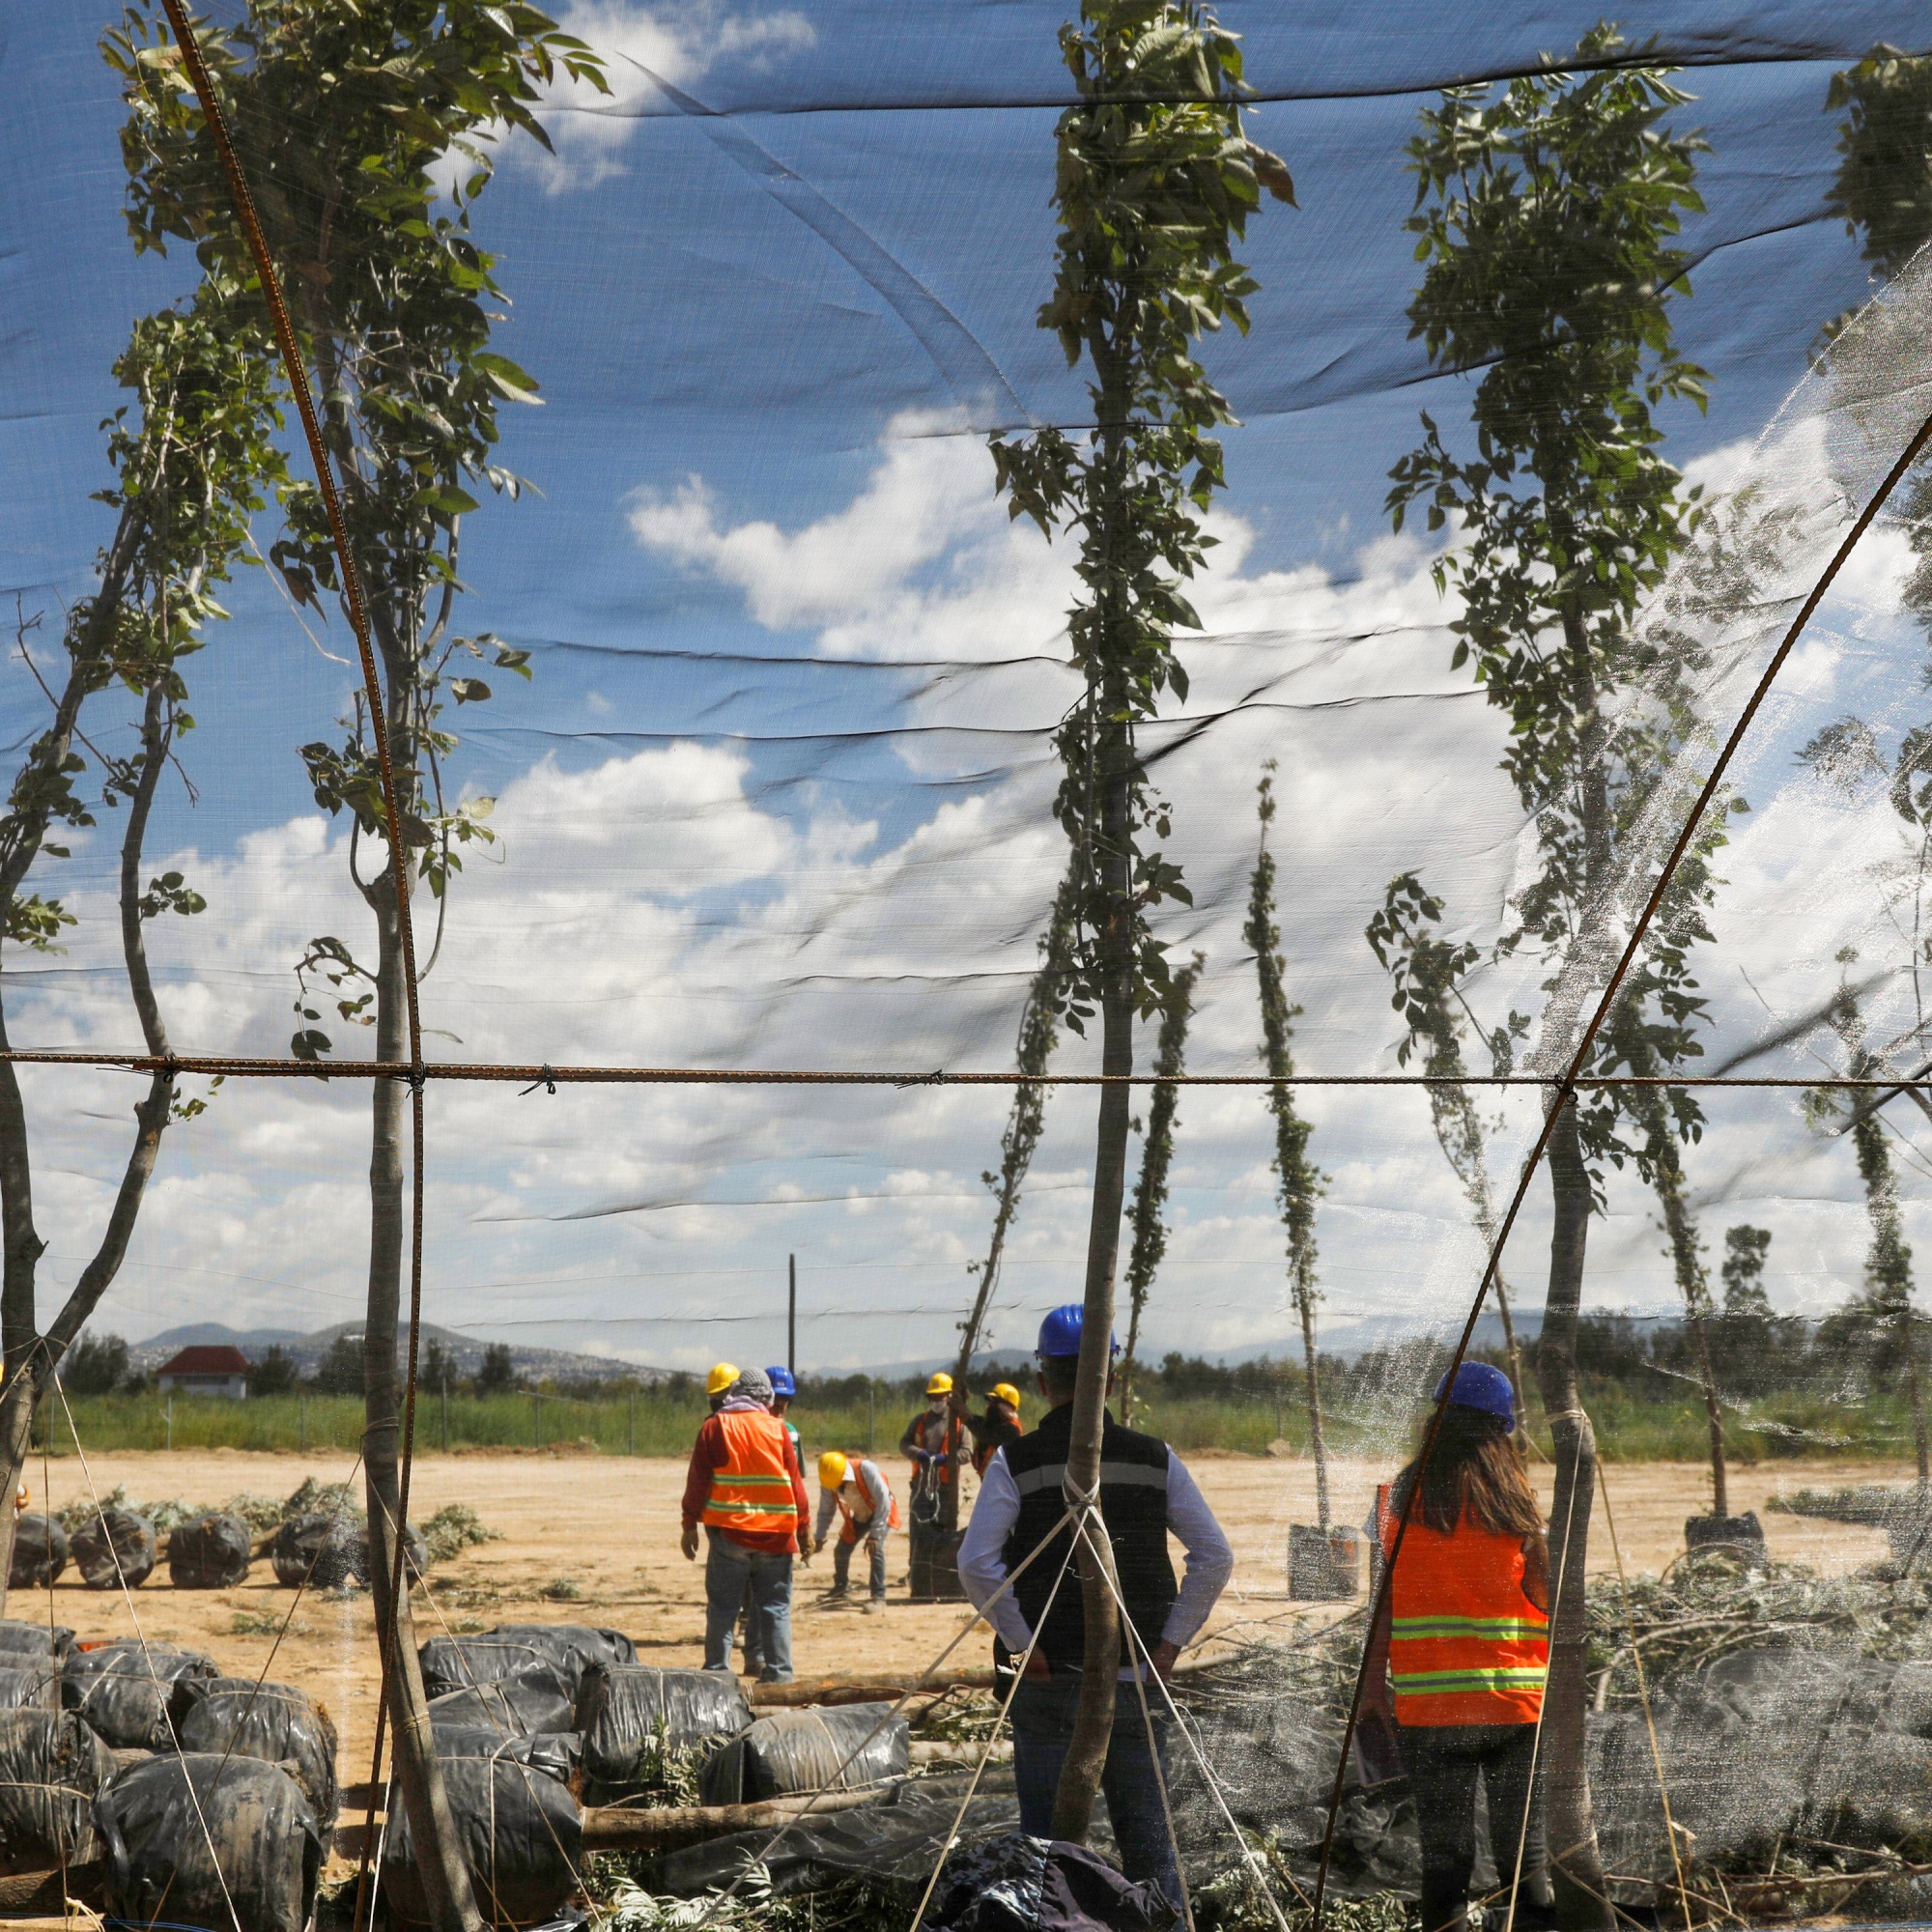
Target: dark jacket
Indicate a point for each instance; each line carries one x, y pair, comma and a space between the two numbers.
1133, 1506
991, 1432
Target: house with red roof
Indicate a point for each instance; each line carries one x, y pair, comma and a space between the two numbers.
206, 1369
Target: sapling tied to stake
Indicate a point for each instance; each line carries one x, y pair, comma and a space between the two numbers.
1026, 1118
192, 453
1428, 973
1886, 1311
1149, 1212
1299, 1184
1153, 185
1547, 215
349, 119
1883, 190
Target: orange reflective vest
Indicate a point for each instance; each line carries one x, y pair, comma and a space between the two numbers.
854, 1526
752, 1492
1466, 1646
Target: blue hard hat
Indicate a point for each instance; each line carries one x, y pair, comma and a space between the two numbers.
1479, 1386
782, 1381
1060, 1332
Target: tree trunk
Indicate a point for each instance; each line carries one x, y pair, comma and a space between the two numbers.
1150, 1203
1888, 1264
1575, 1867
1094, 1721
439, 1862
1513, 1354
1667, 1179
1040, 1030
1916, 1397
1320, 1449
23, 1249
32, 1358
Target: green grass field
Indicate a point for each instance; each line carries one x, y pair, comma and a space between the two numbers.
652, 1423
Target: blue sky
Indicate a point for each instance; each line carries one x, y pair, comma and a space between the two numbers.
773, 299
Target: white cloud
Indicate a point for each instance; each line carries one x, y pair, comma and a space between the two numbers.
924, 556
641, 47
680, 905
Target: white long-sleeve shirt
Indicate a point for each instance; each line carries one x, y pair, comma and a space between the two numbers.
877, 1493
982, 1555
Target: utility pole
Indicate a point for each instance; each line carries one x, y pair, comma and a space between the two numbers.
791, 1320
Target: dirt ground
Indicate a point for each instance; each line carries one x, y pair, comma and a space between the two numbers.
593, 1539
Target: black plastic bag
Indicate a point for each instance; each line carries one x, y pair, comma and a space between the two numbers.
204, 1842
113, 1548
316, 1549
522, 1707
130, 1693
51, 1766
332, 1552
276, 1723
209, 1552
29, 1684
455, 1663
897, 1842
522, 1835
40, 1552
624, 1709
34, 1639
794, 1751
554, 1753
1018, 1884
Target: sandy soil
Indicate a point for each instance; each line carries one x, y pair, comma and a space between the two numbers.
608, 1527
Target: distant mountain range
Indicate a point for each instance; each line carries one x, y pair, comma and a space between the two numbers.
1350, 1338
306, 1350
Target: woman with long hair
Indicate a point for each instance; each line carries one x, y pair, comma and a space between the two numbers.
1461, 1649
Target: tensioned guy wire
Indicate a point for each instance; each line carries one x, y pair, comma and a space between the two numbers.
234, 1067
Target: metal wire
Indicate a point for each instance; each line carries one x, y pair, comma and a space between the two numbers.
234, 1067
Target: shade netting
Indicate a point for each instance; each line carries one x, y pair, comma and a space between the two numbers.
754, 771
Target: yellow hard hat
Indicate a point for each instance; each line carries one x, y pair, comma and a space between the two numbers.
940, 1385
1006, 1393
723, 1375
832, 1469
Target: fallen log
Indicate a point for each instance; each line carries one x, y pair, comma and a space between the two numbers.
887, 1686
964, 1755
613, 1828
867, 1688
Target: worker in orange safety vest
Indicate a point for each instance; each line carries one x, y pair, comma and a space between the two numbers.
856, 1486
1460, 1651
746, 1488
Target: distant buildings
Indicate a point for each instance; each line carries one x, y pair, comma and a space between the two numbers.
207, 1369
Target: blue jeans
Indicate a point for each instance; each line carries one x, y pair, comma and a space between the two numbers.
841, 1563
1042, 1717
730, 1570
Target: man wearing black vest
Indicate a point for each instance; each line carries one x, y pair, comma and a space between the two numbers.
1146, 1492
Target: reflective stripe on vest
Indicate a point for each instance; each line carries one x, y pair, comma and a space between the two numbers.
752, 1492
1466, 1646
